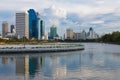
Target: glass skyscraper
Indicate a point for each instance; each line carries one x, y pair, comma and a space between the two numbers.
33, 24
42, 28
12, 27
53, 32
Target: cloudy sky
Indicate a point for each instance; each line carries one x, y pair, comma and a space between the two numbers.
102, 15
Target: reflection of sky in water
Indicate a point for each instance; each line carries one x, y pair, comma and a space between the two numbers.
96, 62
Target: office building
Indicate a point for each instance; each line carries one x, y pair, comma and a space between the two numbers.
33, 23
38, 16
42, 29
91, 34
77, 36
4, 28
53, 32
22, 25
12, 28
70, 33
83, 35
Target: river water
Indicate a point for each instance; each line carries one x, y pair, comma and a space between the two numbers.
97, 62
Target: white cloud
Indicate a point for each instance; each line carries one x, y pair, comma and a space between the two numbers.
54, 15
97, 22
58, 12
99, 2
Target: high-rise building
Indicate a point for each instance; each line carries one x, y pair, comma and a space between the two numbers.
83, 35
42, 29
53, 32
91, 34
22, 25
4, 28
70, 33
12, 27
38, 16
33, 24
77, 36
64, 37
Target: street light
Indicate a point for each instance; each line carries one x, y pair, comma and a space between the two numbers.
24, 41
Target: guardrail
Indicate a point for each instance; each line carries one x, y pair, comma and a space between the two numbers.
51, 47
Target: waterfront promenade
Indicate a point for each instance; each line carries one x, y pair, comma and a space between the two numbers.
41, 48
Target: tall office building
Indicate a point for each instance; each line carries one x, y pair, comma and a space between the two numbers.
38, 16
77, 36
33, 23
12, 27
83, 35
91, 34
22, 25
70, 34
4, 28
42, 29
53, 32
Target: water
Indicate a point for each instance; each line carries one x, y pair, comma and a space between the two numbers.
96, 62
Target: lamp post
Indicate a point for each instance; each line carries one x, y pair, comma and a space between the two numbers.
24, 42
24, 38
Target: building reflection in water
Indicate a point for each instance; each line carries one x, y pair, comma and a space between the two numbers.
60, 72
28, 66
5, 60
22, 66
7, 66
54, 67
41, 61
33, 65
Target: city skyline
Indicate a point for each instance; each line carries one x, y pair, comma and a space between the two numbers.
102, 15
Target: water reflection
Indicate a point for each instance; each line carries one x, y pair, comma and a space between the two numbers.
4, 60
22, 66
94, 63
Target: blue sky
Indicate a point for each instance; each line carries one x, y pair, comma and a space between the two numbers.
102, 15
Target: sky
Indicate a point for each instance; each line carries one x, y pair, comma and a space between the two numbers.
102, 15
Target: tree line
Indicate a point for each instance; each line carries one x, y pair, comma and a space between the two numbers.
111, 37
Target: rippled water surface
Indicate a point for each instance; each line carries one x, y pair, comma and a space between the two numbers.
96, 62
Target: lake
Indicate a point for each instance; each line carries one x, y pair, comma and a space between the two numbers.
98, 61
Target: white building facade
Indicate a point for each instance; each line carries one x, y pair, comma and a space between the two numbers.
22, 29
70, 34
4, 29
